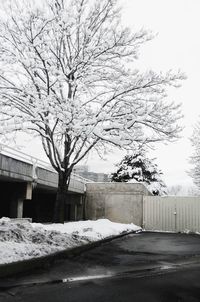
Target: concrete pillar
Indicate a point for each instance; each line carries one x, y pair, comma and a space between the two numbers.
21, 192
28, 191
73, 212
75, 206
16, 208
80, 215
20, 204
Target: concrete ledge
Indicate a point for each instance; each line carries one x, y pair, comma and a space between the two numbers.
117, 187
13, 268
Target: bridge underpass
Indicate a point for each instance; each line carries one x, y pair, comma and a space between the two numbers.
28, 189
40, 208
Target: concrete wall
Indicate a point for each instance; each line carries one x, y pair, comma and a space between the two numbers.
14, 169
49, 180
119, 202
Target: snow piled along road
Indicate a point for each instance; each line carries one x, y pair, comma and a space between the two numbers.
20, 240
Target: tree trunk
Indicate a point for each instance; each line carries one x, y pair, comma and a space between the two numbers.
61, 197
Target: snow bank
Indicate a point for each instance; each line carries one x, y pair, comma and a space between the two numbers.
92, 230
20, 240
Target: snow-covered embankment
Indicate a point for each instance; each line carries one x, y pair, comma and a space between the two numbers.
23, 240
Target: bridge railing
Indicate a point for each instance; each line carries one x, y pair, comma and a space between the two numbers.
36, 162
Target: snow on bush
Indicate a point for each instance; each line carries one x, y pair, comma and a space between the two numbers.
138, 168
20, 240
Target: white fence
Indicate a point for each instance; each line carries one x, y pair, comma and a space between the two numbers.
173, 214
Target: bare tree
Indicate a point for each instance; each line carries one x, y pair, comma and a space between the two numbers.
193, 191
65, 74
195, 158
174, 190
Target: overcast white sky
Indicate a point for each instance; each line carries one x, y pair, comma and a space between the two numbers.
177, 46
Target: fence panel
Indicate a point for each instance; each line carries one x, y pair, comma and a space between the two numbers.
188, 214
173, 214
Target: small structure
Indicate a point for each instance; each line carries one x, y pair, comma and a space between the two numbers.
119, 202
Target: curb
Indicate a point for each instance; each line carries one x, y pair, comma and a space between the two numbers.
17, 267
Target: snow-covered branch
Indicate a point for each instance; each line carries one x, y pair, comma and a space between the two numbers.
65, 75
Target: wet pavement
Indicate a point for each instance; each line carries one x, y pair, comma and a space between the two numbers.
132, 266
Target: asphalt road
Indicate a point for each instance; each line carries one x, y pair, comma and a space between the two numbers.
141, 267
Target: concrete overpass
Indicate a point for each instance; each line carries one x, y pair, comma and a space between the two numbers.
28, 188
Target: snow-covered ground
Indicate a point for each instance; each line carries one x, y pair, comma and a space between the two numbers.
20, 240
